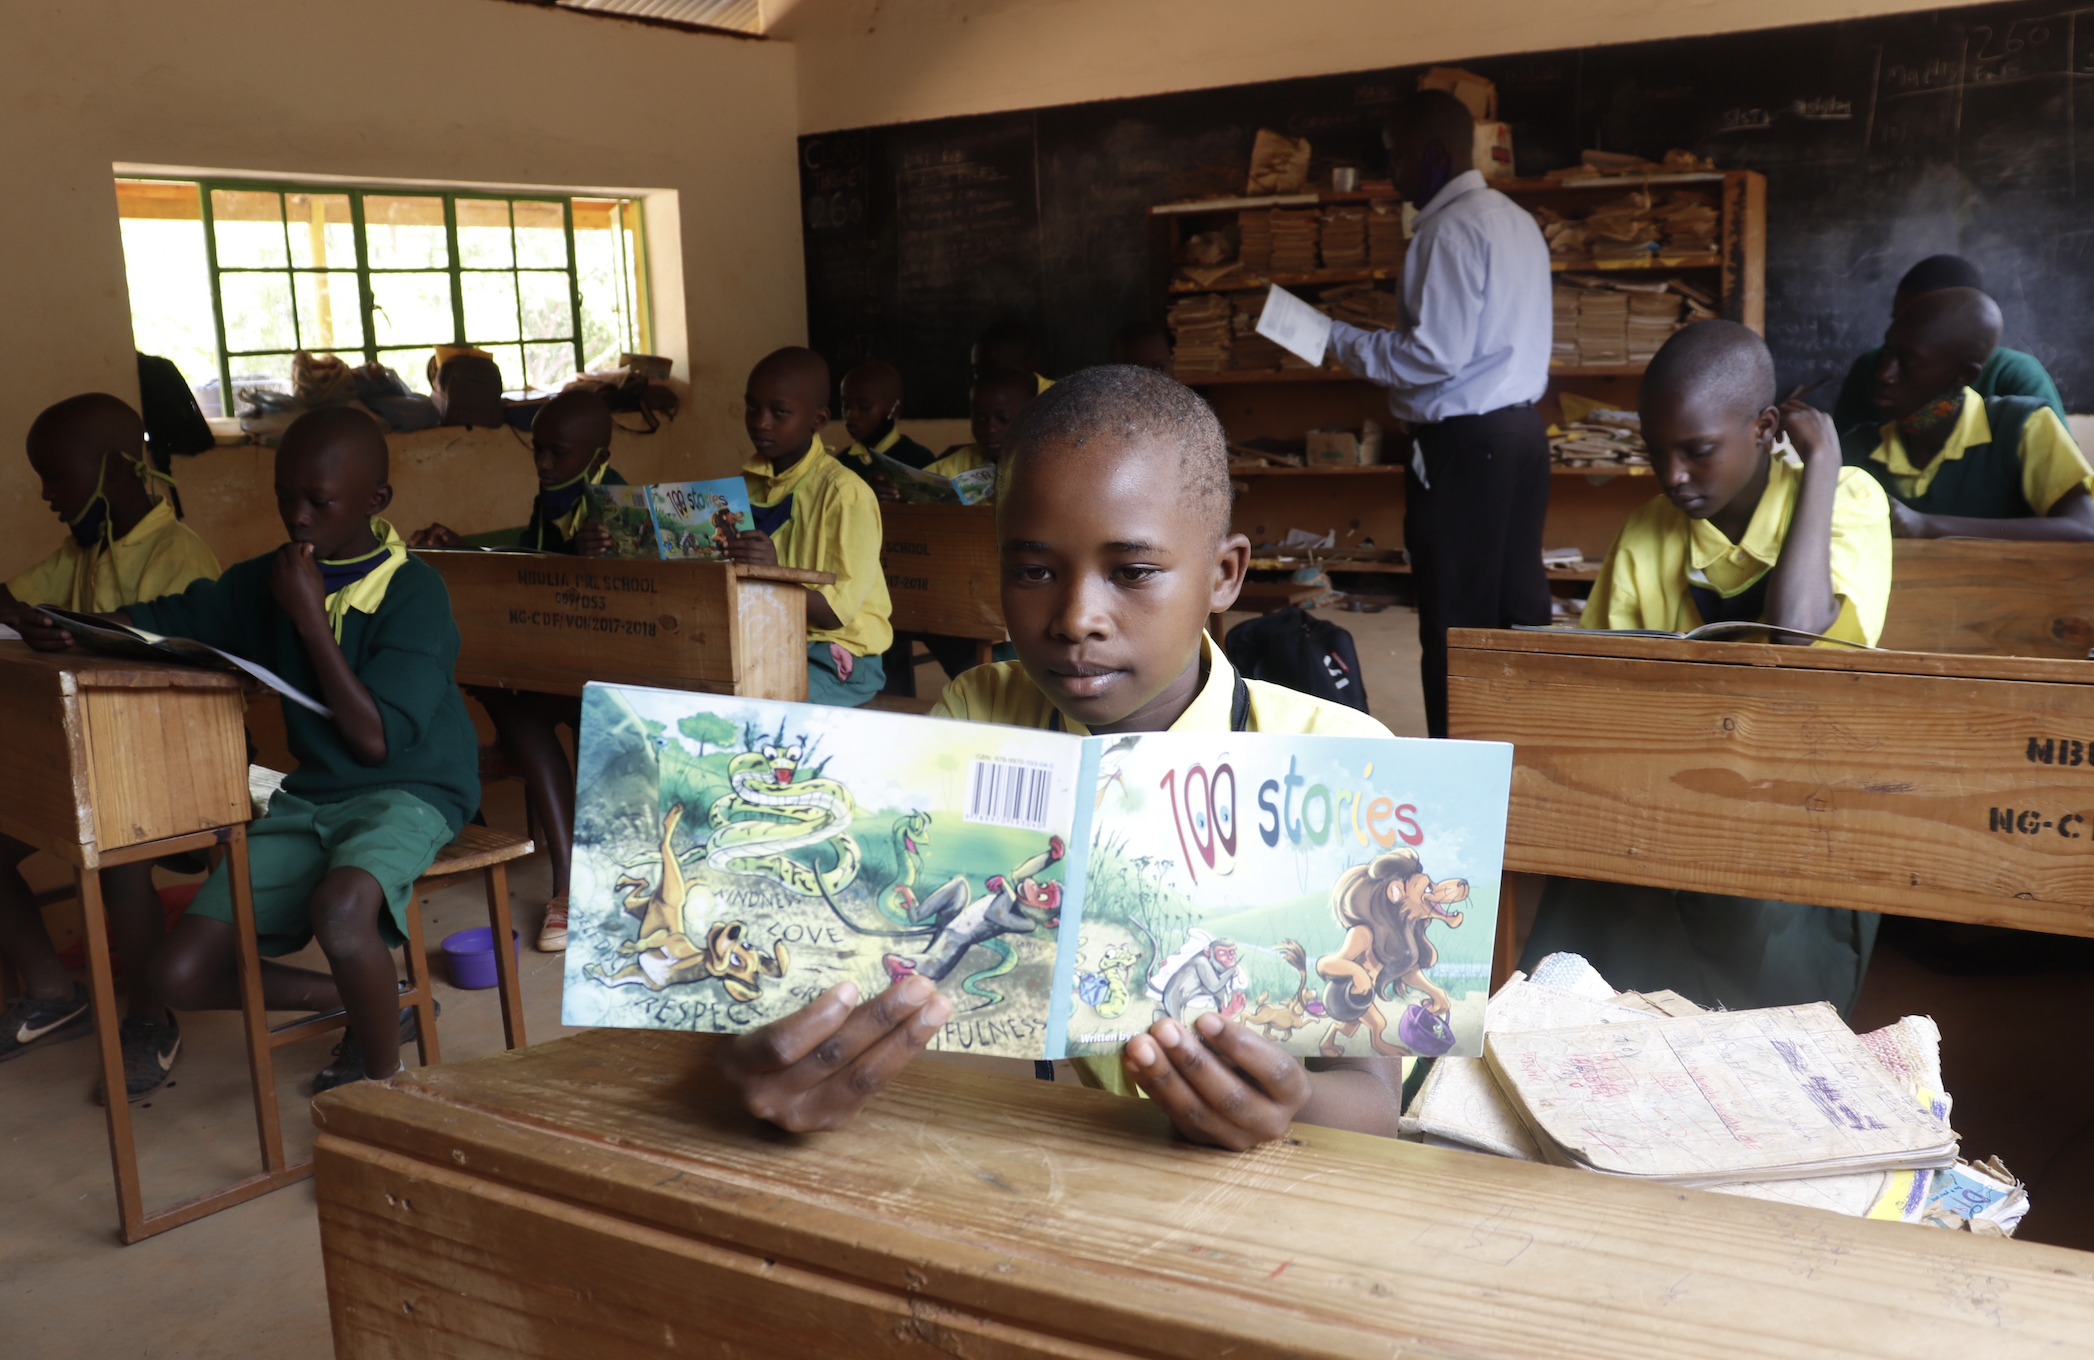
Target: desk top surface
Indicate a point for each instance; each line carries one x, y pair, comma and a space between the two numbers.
444, 557
1564, 642
1071, 1212
97, 671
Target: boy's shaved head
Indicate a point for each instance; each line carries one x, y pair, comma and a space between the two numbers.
1962, 323
88, 425
1134, 407
876, 380
801, 370
578, 415
342, 436
1712, 361
1940, 271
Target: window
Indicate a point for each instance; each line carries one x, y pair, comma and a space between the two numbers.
230, 280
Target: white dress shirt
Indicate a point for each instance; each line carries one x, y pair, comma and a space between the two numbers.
1477, 322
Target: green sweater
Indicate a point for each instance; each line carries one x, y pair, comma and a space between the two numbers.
404, 656
2008, 373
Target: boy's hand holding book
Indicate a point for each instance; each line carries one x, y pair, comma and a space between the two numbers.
753, 547
436, 536
593, 541
816, 1068
1234, 1090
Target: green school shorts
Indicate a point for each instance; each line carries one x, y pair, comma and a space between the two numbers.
824, 686
390, 835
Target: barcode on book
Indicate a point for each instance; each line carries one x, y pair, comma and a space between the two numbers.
1005, 793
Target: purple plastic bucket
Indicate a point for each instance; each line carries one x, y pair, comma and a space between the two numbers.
471, 954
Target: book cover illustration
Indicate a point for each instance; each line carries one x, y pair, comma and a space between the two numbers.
1337, 895
624, 513
735, 858
697, 520
678, 521
918, 487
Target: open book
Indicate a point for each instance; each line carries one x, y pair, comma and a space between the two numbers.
928, 488
116, 639
735, 858
687, 521
1702, 634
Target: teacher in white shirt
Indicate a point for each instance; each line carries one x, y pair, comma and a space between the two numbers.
1463, 372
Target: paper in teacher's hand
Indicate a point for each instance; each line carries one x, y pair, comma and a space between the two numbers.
1295, 326
8, 634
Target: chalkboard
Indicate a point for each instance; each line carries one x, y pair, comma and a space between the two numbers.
1883, 140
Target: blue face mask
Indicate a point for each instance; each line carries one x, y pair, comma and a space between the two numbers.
91, 525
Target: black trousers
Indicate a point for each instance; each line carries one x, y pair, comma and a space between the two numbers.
1473, 529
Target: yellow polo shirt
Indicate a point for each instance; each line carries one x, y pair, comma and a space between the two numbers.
864, 455
1004, 693
2051, 462
1041, 383
965, 458
1644, 582
160, 556
835, 527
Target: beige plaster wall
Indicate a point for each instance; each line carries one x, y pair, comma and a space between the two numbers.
473, 91
863, 62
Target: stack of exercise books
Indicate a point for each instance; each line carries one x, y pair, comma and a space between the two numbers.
1248, 350
1294, 241
1361, 304
1254, 244
1654, 314
1200, 334
1689, 223
1344, 242
1563, 322
1785, 1104
1603, 327
1385, 234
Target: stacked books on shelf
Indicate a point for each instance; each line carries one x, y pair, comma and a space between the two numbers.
1363, 305
1294, 241
1254, 244
1344, 244
1200, 326
1385, 234
1654, 314
1563, 317
1603, 327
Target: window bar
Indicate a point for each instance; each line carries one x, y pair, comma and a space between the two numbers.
516, 291
636, 279
574, 283
225, 366
365, 298
457, 278
283, 223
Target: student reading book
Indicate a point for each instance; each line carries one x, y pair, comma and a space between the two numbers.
125, 545
673, 521
872, 403
571, 454
1114, 519
1738, 535
812, 514
994, 401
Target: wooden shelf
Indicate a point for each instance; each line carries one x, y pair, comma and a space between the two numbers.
1651, 264
1270, 375
1564, 470
1379, 469
1314, 279
1597, 370
1540, 186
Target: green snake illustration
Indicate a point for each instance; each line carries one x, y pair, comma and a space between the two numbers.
768, 815
912, 833
1116, 965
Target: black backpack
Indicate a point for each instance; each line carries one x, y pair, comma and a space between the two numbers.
1293, 647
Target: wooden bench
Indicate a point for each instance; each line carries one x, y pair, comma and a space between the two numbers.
1953, 787
943, 571
604, 1195
553, 623
1991, 596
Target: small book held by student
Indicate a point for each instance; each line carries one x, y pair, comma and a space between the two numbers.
687, 521
918, 487
116, 639
735, 858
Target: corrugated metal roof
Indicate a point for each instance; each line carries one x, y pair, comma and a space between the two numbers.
742, 16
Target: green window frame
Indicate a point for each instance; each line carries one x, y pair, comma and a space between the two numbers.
471, 272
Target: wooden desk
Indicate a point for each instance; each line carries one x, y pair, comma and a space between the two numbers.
1903, 782
1991, 596
543, 621
111, 761
943, 570
603, 1196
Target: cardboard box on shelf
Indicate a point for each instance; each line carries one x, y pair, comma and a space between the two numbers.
1333, 448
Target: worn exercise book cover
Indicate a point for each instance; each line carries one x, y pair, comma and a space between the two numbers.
690, 521
734, 858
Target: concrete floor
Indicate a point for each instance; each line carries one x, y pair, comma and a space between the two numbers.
247, 1283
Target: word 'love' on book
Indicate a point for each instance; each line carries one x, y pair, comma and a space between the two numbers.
735, 858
